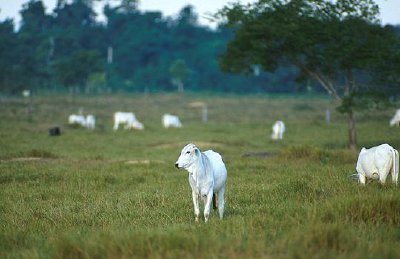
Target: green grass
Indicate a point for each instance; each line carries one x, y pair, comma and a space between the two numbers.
106, 194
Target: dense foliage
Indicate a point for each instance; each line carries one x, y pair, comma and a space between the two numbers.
131, 51
339, 45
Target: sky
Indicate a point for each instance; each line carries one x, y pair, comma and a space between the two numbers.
390, 9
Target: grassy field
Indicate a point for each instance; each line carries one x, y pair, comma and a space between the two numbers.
108, 194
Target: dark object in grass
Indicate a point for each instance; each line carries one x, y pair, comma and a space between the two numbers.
54, 131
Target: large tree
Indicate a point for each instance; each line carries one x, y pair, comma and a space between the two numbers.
10, 67
34, 44
339, 44
74, 71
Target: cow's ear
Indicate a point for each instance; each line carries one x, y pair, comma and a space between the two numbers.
197, 151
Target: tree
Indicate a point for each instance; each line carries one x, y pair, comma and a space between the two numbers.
74, 71
34, 44
338, 44
10, 69
179, 72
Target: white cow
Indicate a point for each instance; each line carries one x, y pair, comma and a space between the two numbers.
127, 118
377, 162
207, 178
277, 130
90, 121
74, 119
171, 121
396, 119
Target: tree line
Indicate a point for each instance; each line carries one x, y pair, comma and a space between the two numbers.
132, 51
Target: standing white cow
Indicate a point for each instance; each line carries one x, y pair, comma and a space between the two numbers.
90, 121
377, 162
171, 121
396, 119
207, 178
74, 119
277, 130
127, 118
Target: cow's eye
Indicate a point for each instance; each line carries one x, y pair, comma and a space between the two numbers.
187, 152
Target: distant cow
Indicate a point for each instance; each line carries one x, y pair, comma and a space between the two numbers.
74, 119
26, 93
171, 121
127, 118
277, 130
396, 119
207, 178
90, 121
377, 162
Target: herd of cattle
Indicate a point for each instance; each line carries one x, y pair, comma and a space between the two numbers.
127, 119
207, 171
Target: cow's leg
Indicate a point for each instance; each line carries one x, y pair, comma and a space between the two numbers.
115, 126
383, 175
383, 172
395, 164
362, 179
207, 206
195, 197
221, 202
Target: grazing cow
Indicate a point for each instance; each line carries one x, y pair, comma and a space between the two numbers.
277, 130
377, 162
74, 119
127, 118
207, 178
26, 93
90, 121
396, 119
171, 121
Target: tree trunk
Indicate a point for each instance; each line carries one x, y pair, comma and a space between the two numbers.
351, 126
180, 86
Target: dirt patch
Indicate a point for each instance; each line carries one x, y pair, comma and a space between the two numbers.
22, 159
197, 104
146, 162
181, 144
258, 154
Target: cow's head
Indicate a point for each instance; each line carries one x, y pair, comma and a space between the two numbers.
188, 156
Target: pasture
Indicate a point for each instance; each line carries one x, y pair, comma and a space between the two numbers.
108, 194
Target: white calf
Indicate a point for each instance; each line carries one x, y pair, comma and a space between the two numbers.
171, 121
377, 162
127, 118
277, 130
90, 121
396, 119
77, 120
207, 178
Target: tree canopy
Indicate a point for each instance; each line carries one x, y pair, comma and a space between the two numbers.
135, 51
340, 45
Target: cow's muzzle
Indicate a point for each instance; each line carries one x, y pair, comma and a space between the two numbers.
177, 165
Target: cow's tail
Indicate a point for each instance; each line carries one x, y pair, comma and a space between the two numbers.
395, 166
215, 201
